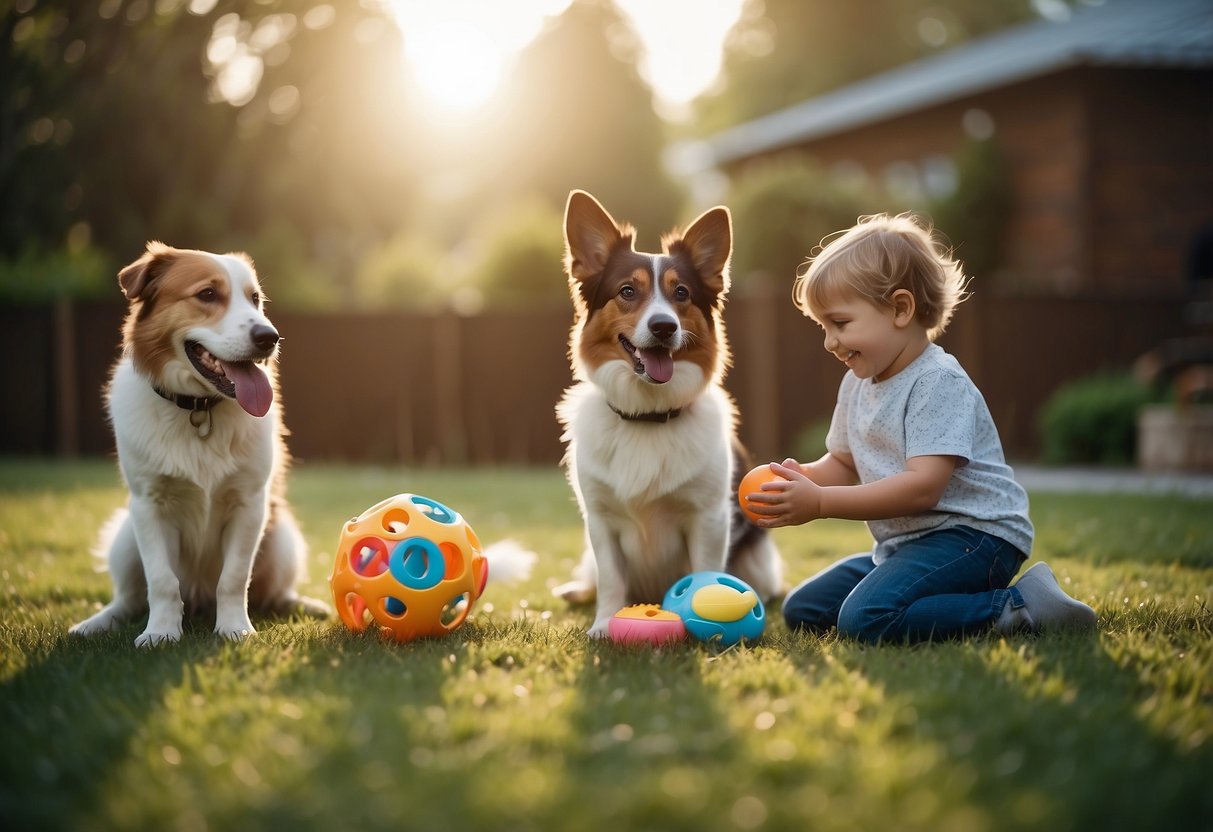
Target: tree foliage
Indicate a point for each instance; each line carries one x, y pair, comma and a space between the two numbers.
782, 209
124, 122
120, 134
975, 215
783, 52
586, 121
785, 207
520, 257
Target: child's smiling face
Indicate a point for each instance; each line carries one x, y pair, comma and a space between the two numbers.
873, 341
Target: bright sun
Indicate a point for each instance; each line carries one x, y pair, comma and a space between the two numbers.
458, 65
458, 50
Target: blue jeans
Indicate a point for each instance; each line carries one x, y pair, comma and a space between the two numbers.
942, 585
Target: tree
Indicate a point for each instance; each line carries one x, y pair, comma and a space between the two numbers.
783, 52
579, 116
125, 124
782, 209
291, 130
520, 257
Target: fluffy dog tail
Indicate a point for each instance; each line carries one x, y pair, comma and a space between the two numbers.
106, 537
509, 562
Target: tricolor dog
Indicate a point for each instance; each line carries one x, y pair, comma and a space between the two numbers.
200, 445
652, 453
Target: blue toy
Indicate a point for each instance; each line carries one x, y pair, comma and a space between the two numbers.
717, 606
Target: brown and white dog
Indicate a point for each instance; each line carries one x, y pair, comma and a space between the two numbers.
652, 453
200, 445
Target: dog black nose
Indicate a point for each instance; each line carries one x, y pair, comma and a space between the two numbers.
663, 326
264, 337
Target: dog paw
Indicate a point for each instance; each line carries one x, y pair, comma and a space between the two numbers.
601, 629
238, 634
154, 638
236, 629
94, 626
312, 607
576, 592
108, 618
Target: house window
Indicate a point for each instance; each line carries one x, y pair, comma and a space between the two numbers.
849, 174
939, 176
902, 181
977, 124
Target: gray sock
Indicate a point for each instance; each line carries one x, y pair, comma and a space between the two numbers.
1046, 604
1013, 620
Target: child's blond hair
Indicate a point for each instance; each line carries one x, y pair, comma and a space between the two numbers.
878, 256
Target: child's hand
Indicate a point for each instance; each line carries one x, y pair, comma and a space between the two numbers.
788, 502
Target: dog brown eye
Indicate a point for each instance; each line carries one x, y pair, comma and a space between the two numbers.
207, 295
628, 293
682, 293
256, 299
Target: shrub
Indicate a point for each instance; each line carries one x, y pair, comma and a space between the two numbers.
1093, 420
35, 276
810, 442
292, 270
407, 272
782, 209
974, 216
520, 257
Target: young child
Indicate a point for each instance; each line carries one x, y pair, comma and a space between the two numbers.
911, 449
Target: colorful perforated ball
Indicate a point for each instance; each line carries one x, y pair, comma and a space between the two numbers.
410, 567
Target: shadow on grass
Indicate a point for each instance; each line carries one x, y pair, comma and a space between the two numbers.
1037, 732
647, 729
70, 715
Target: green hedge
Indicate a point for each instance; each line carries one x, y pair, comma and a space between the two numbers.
1093, 420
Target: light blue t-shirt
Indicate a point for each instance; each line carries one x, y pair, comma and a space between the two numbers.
931, 408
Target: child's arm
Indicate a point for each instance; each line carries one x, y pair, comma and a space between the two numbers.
800, 498
830, 469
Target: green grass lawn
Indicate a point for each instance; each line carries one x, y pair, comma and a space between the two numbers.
517, 721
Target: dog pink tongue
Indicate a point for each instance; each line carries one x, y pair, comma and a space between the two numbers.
659, 364
253, 389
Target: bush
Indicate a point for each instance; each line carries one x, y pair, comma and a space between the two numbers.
520, 257
291, 270
782, 209
35, 277
406, 273
810, 442
975, 215
1093, 420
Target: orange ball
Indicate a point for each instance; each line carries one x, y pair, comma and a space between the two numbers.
751, 483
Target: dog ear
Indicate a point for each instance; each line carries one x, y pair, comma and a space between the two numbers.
245, 258
590, 233
709, 242
135, 278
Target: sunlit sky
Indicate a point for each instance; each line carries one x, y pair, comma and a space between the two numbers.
460, 49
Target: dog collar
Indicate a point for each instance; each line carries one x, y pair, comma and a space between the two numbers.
199, 408
653, 416
188, 402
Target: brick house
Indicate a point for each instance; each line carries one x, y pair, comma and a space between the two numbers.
1105, 120
1105, 124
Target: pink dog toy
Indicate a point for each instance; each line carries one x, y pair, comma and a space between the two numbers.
647, 623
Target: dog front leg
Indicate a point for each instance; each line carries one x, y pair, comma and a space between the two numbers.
708, 541
612, 583
240, 539
159, 548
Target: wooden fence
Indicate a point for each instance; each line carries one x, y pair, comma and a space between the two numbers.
430, 390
